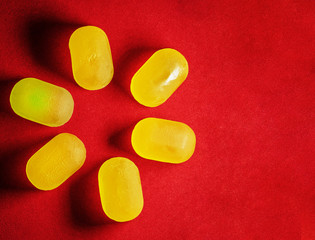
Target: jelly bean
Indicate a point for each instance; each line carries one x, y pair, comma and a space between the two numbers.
163, 140
56, 161
159, 77
92, 63
120, 189
41, 102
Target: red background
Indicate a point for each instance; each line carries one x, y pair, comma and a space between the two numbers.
249, 97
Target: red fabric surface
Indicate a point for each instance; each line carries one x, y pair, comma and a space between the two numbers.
249, 97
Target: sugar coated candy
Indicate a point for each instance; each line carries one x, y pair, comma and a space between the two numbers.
56, 161
163, 140
120, 189
91, 58
159, 77
41, 102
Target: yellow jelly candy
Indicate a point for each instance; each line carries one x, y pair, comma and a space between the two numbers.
159, 77
120, 189
92, 63
163, 140
56, 161
41, 102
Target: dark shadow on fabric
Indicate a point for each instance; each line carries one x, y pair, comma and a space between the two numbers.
12, 165
6, 85
48, 41
86, 208
122, 139
128, 64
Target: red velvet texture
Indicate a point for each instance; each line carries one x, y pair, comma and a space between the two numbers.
249, 96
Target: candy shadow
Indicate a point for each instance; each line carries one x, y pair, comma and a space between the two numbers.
48, 41
121, 140
128, 64
85, 202
13, 163
6, 86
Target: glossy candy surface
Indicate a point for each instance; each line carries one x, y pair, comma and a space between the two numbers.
56, 161
91, 58
159, 77
41, 102
120, 189
163, 140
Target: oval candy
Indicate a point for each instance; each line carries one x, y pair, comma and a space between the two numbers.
56, 161
159, 77
163, 140
91, 58
41, 102
120, 189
